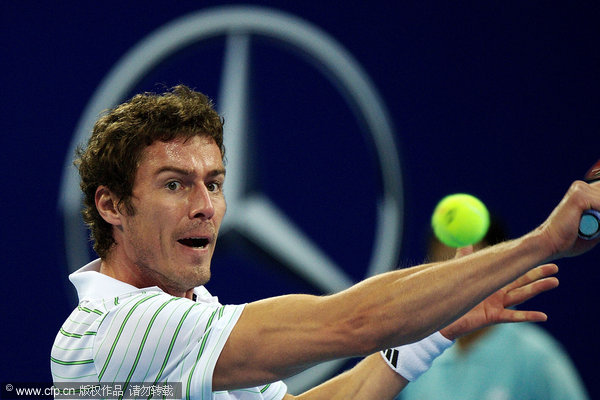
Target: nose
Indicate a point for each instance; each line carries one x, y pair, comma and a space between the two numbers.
201, 203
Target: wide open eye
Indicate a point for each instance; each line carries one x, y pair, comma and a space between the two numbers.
213, 186
173, 185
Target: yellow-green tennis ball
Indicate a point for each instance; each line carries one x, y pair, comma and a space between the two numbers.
460, 220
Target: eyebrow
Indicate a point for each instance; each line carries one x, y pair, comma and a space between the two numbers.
188, 172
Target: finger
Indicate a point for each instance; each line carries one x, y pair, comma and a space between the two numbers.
533, 275
464, 251
522, 316
524, 293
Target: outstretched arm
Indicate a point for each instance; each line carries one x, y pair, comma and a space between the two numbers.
372, 378
279, 337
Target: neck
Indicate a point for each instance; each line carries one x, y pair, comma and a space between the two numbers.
139, 277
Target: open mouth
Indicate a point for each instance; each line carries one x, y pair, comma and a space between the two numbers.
196, 243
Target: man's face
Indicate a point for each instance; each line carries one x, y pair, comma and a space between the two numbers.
179, 205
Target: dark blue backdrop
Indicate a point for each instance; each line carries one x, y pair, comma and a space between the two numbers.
499, 99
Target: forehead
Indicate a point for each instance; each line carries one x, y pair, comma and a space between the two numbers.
196, 152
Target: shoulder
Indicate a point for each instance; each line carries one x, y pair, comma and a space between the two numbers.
154, 308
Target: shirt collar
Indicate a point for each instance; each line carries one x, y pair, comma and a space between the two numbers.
90, 283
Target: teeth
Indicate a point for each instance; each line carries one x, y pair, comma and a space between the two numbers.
194, 242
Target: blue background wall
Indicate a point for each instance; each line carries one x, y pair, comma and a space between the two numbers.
499, 99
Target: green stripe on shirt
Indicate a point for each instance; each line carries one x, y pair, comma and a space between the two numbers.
77, 362
112, 349
173, 339
141, 348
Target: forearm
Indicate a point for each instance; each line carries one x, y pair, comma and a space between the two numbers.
384, 375
371, 378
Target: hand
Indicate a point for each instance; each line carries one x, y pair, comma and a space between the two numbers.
494, 309
562, 226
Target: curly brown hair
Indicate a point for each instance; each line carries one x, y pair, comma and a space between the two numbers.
113, 152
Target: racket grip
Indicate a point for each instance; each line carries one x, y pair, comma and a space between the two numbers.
589, 225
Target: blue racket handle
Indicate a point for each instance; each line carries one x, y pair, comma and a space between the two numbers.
589, 225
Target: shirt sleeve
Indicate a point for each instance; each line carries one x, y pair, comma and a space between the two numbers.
152, 337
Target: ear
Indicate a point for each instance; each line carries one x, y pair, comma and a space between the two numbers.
106, 204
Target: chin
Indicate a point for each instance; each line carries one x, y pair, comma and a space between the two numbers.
199, 277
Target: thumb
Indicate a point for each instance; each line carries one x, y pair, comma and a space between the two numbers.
464, 251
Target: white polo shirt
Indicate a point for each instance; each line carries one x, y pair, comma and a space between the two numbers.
126, 336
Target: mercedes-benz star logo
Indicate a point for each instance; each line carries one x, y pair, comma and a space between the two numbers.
261, 221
